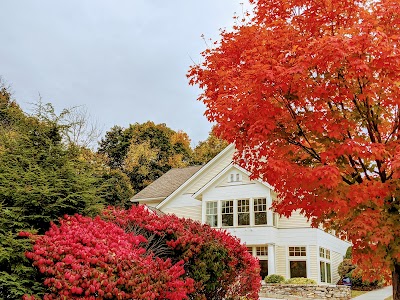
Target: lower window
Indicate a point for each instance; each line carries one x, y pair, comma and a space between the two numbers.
263, 268
325, 271
298, 268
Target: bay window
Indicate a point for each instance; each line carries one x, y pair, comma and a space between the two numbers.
239, 212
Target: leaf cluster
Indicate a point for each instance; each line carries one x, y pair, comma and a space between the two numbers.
309, 93
146, 151
220, 266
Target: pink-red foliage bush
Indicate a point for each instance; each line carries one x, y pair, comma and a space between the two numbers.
221, 267
87, 258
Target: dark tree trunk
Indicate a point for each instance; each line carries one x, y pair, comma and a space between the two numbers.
396, 281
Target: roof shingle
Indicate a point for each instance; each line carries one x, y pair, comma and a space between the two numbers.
167, 183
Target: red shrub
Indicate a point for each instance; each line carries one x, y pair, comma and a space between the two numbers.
88, 258
220, 265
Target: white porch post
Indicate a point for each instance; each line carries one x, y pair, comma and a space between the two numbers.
271, 259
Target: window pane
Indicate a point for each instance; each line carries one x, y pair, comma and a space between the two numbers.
212, 220
322, 271
263, 268
328, 254
328, 273
262, 250
260, 211
227, 220
243, 212
297, 251
260, 218
321, 252
237, 177
212, 213
250, 249
227, 213
244, 219
298, 269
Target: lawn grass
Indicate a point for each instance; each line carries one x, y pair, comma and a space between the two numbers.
357, 293
389, 298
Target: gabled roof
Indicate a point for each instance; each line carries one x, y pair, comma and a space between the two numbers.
223, 173
207, 166
166, 184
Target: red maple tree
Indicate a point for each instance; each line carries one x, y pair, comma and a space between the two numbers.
309, 91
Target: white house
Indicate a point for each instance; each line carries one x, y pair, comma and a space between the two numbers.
221, 194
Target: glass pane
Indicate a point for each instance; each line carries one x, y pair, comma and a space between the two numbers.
321, 252
322, 271
297, 251
262, 250
328, 273
260, 218
298, 269
212, 220
263, 268
260, 204
243, 205
211, 208
244, 219
227, 220
328, 254
227, 207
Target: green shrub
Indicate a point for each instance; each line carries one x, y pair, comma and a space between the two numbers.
345, 267
300, 280
358, 283
274, 278
349, 253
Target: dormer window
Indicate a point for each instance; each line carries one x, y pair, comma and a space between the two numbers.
235, 177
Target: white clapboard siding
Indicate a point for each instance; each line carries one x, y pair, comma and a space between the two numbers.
336, 258
192, 212
281, 260
211, 172
296, 220
152, 203
313, 262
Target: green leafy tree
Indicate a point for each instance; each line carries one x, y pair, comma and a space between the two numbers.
208, 149
145, 151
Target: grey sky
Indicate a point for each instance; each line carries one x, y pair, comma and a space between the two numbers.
125, 61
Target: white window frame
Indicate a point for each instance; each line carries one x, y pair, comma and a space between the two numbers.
208, 214
235, 177
248, 212
269, 213
234, 213
325, 257
266, 210
298, 258
260, 257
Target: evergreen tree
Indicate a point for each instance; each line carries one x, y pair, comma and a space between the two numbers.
42, 179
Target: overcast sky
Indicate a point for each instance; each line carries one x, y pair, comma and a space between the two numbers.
125, 60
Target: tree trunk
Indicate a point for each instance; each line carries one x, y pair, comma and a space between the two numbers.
396, 281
